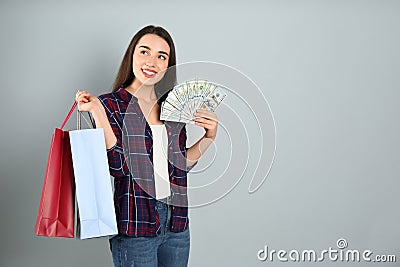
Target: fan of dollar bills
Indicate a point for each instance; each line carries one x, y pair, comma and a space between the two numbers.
183, 100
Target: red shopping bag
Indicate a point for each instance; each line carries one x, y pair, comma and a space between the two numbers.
57, 205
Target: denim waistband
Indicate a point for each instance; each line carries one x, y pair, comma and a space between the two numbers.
163, 203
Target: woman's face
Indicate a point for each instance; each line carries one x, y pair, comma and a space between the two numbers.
150, 59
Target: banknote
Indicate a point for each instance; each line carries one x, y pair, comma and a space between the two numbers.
183, 100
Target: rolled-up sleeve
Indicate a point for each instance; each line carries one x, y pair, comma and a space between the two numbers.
117, 162
182, 143
116, 158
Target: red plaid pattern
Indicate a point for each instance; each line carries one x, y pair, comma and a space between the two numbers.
130, 162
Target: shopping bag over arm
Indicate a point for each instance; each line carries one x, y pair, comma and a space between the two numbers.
57, 204
93, 184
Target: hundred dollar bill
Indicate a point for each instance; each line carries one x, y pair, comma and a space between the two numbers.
213, 100
183, 100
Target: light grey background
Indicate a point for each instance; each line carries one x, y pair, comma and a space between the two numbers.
329, 69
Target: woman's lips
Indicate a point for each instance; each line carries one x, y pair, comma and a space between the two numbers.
149, 73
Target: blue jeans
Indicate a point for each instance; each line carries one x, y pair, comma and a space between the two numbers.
166, 249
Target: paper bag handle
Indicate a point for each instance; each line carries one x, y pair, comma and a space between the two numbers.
69, 114
78, 120
92, 124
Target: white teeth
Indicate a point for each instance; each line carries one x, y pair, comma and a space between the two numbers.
149, 72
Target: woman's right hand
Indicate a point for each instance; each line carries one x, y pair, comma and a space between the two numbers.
86, 102
89, 103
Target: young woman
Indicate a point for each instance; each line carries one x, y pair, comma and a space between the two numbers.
152, 216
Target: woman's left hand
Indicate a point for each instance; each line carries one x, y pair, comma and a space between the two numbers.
208, 120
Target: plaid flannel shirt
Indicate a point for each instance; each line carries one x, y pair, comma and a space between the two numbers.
130, 162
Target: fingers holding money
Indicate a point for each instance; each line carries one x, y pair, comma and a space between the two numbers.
203, 113
208, 120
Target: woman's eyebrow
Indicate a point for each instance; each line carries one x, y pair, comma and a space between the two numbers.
145, 46
148, 48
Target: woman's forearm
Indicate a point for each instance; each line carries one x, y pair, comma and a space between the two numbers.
197, 149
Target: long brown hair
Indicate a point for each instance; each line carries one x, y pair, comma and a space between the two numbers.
125, 74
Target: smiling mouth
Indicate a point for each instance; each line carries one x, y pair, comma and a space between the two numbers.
149, 73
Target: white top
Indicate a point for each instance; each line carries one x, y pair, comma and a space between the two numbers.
160, 160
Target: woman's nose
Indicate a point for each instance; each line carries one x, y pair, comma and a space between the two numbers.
150, 61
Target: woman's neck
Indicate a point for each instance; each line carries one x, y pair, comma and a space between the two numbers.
141, 91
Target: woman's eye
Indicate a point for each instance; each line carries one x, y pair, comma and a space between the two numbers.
143, 52
162, 57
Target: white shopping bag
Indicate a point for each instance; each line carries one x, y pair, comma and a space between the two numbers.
93, 184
